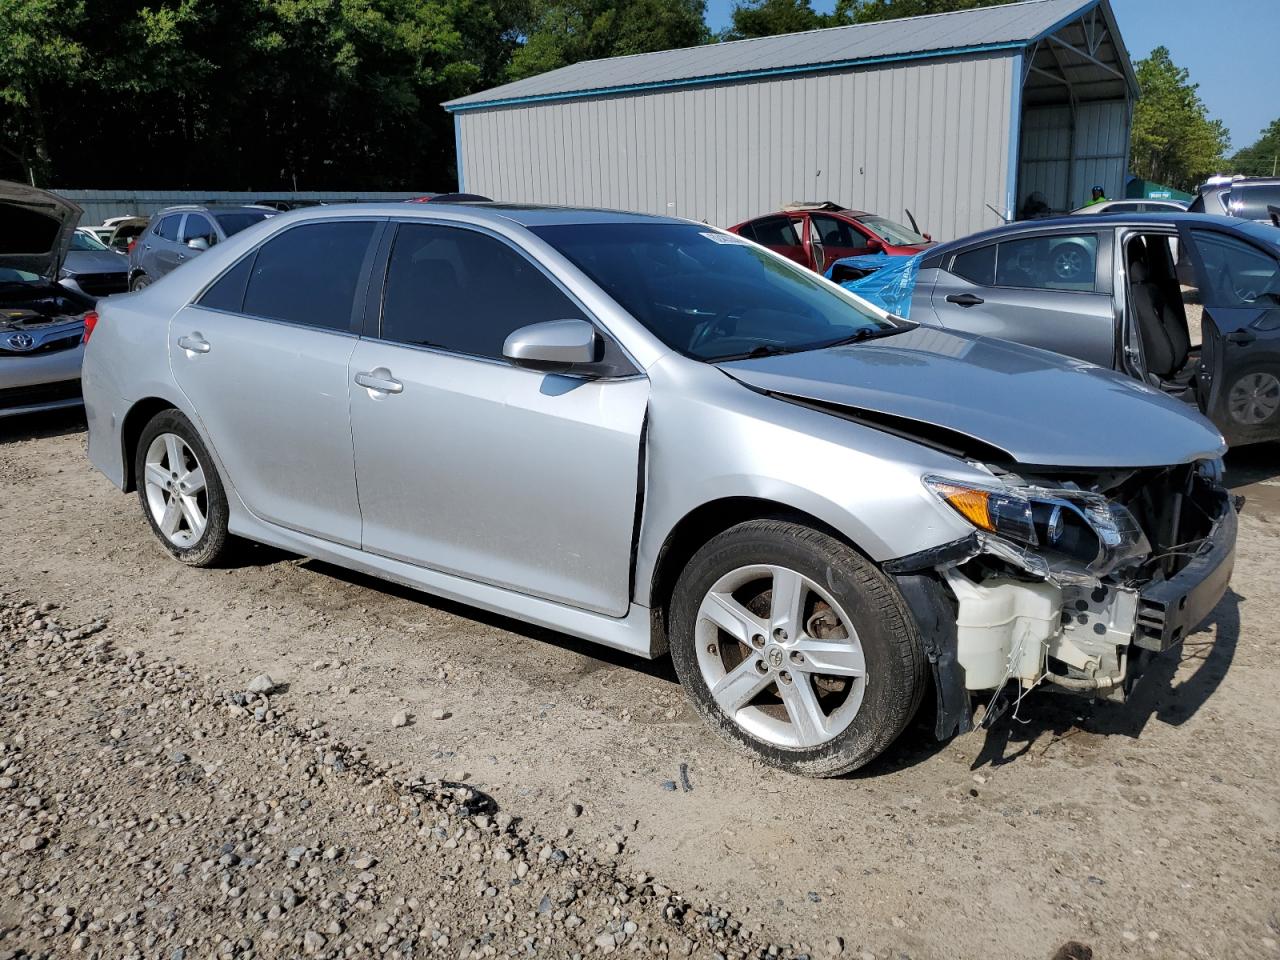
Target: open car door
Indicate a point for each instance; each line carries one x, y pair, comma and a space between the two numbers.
1239, 280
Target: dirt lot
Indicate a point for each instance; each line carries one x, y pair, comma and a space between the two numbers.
1145, 830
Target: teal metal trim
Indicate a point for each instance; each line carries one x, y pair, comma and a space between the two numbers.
1015, 139
457, 152
730, 77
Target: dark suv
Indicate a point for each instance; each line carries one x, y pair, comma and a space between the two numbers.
178, 233
1245, 197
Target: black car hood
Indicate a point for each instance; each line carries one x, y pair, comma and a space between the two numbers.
35, 229
1037, 407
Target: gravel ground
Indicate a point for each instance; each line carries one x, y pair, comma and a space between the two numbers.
413, 758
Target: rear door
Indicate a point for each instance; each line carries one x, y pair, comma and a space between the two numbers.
472, 466
262, 356
780, 234
160, 246
1047, 290
1240, 331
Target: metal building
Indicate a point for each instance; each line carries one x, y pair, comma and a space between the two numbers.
948, 115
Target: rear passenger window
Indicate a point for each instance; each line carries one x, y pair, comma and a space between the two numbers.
976, 266
1054, 262
776, 232
464, 291
309, 275
227, 292
168, 227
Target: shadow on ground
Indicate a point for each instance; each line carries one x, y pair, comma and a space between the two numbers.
37, 426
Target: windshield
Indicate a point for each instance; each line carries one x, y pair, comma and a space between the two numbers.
890, 232
712, 295
85, 241
233, 223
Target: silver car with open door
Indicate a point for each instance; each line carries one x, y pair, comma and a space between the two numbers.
662, 437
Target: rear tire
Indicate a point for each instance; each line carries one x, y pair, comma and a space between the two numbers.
818, 683
180, 491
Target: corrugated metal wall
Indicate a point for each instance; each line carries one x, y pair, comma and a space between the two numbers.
1065, 169
933, 137
98, 205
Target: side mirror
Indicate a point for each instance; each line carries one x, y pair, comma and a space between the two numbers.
199, 244
554, 346
875, 246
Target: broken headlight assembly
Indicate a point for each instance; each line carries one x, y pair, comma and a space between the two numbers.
1053, 533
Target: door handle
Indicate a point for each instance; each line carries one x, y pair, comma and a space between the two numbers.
1242, 337
182, 256
380, 380
965, 299
195, 343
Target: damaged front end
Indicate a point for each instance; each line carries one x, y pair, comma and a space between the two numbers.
1071, 579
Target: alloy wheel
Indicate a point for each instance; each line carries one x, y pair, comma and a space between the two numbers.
175, 489
1254, 398
779, 656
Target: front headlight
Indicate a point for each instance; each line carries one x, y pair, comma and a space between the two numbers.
1073, 525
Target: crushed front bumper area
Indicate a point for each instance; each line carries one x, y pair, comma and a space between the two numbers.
988, 627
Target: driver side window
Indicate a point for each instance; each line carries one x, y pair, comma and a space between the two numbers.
1054, 262
1236, 273
837, 233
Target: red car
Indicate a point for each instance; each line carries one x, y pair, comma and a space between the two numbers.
815, 235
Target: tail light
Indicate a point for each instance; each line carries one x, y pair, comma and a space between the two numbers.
90, 321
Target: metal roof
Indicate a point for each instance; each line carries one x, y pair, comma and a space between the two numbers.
1006, 27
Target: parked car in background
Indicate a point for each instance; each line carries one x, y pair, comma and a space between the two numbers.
656, 435
177, 234
451, 198
41, 320
125, 232
1243, 197
92, 268
282, 206
1131, 206
1187, 303
817, 234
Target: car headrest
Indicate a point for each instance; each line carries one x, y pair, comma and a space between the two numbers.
1138, 272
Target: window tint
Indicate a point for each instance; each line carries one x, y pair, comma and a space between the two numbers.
227, 292
233, 223
1250, 201
168, 227
1059, 262
749, 231
309, 275
464, 291
1237, 274
837, 233
198, 226
976, 266
776, 232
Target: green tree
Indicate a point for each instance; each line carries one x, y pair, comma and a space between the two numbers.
1262, 159
1174, 139
766, 18
561, 32
866, 11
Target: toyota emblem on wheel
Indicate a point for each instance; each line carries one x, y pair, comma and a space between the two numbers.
21, 341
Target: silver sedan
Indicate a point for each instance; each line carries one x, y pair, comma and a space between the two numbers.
661, 437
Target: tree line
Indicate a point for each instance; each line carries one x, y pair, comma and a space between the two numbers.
344, 94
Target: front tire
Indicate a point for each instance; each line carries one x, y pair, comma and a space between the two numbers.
180, 491
795, 647
139, 282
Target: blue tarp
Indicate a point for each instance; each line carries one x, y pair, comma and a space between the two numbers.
889, 282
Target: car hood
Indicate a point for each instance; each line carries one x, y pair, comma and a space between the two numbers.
79, 262
35, 229
971, 394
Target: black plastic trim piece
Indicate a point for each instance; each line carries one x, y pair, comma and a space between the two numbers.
958, 551
935, 616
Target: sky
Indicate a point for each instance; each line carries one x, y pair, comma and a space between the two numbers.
1228, 45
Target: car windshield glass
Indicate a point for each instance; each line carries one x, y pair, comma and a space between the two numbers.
712, 295
83, 241
233, 223
891, 232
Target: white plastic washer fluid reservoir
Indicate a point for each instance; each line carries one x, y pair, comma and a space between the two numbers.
1003, 627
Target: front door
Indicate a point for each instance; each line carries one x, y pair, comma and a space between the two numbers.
1050, 291
469, 465
839, 238
263, 359
1240, 329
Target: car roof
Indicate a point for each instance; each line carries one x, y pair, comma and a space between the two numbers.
524, 214
1076, 222
214, 208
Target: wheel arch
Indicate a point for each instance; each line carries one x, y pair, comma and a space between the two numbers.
131, 427
698, 526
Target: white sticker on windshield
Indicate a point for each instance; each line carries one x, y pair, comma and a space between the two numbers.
723, 237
